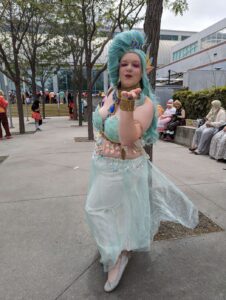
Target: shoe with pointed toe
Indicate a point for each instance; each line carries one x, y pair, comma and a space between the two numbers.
111, 285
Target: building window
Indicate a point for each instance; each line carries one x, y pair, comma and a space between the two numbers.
184, 37
168, 37
186, 51
213, 39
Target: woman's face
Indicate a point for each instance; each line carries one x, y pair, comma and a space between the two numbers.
177, 105
169, 105
130, 70
215, 105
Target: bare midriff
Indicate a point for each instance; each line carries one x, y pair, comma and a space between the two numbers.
110, 149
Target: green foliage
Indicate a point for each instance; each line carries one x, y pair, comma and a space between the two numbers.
177, 6
197, 104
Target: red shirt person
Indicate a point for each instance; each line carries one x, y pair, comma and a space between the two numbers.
3, 116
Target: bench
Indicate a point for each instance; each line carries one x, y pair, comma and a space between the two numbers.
184, 135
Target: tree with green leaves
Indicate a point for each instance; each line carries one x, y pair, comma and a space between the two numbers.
37, 40
152, 26
99, 23
72, 46
48, 63
15, 18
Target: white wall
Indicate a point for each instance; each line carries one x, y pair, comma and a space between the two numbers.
202, 79
208, 59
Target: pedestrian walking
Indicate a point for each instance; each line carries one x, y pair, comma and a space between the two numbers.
62, 97
36, 115
71, 106
27, 98
3, 117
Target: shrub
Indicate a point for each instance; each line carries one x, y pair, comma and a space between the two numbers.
198, 104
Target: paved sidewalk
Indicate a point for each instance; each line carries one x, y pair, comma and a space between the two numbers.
46, 250
28, 123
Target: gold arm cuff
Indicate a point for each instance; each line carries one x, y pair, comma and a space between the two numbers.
127, 105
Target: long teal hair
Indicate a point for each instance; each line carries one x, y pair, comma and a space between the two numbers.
133, 41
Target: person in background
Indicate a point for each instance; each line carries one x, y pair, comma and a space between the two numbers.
160, 110
27, 98
218, 145
12, 97
47, 96
165, 118
71, 106
203, 135
3, 116
178, 119
51, 97
36, 115
62, 97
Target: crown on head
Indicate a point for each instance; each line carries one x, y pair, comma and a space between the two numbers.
136, 45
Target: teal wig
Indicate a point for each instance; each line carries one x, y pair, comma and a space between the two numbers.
132, 41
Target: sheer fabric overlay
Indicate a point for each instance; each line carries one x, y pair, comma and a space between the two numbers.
126, 201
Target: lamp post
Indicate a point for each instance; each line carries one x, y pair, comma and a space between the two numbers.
178, 74
169, 74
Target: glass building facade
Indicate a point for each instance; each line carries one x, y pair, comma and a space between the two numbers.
205, 43
169, 37
213, 39
186, 51
172, 37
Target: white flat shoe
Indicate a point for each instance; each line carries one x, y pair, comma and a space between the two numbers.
111, 285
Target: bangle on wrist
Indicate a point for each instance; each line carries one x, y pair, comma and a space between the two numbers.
127, 105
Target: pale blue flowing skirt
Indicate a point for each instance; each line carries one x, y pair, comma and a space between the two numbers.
126, 201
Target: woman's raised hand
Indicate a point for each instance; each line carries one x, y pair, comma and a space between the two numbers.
132, 95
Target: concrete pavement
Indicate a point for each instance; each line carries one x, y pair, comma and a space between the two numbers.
46, 250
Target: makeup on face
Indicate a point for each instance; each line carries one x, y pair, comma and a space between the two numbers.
130, 70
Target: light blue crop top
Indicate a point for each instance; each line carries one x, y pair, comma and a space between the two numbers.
109, 126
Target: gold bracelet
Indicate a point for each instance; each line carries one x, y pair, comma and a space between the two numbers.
127, 105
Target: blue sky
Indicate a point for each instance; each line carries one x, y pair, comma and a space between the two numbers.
201, 14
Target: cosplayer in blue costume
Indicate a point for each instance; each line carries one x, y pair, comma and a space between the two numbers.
128, 196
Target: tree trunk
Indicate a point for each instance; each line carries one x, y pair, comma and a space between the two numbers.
20, 107
152, 26
75, 114
43, 101
152, 30
33, 82
80, 106
90, 104
80, 85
